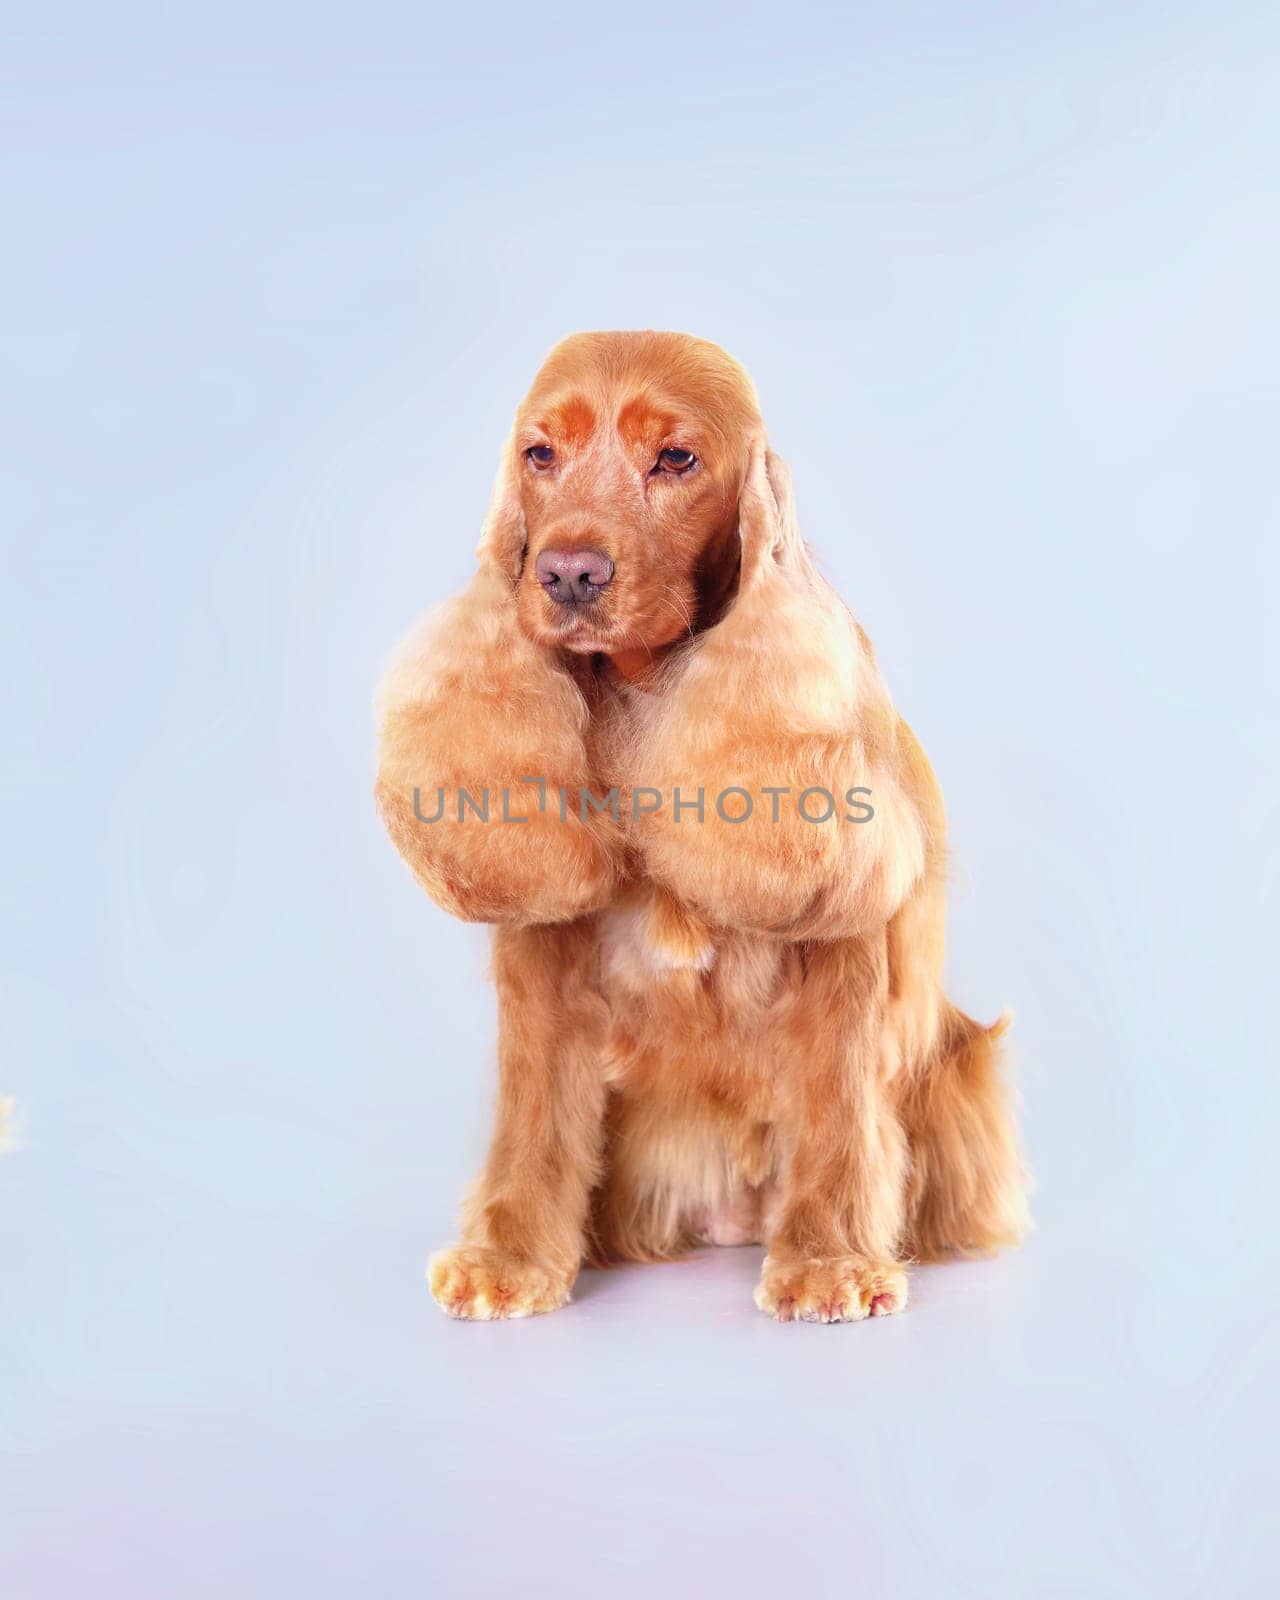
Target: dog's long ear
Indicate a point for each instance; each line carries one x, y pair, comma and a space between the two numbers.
768, 528
503, 536
470, 704
781, 695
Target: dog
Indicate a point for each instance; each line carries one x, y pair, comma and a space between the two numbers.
721, 1014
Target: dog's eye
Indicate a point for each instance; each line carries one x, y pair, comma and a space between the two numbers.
542, 455
676, 460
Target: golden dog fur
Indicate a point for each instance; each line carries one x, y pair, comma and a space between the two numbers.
711, 1029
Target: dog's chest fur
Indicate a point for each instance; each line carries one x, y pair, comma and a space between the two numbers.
684, 998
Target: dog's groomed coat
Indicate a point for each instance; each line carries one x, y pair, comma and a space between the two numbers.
720, 1020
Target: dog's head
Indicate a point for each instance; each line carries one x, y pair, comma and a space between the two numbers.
616, 510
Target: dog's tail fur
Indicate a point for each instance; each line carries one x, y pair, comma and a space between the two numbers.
967, 1189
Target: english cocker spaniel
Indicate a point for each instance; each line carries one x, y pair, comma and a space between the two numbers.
652, 747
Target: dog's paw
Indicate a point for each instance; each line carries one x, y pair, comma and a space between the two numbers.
483, 1286
845, 1289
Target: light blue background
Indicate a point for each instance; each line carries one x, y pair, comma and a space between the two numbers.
274, 280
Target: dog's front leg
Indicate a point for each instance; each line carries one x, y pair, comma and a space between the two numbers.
523, 1225
833, 1247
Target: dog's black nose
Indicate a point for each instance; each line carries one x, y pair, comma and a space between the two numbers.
571, 576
